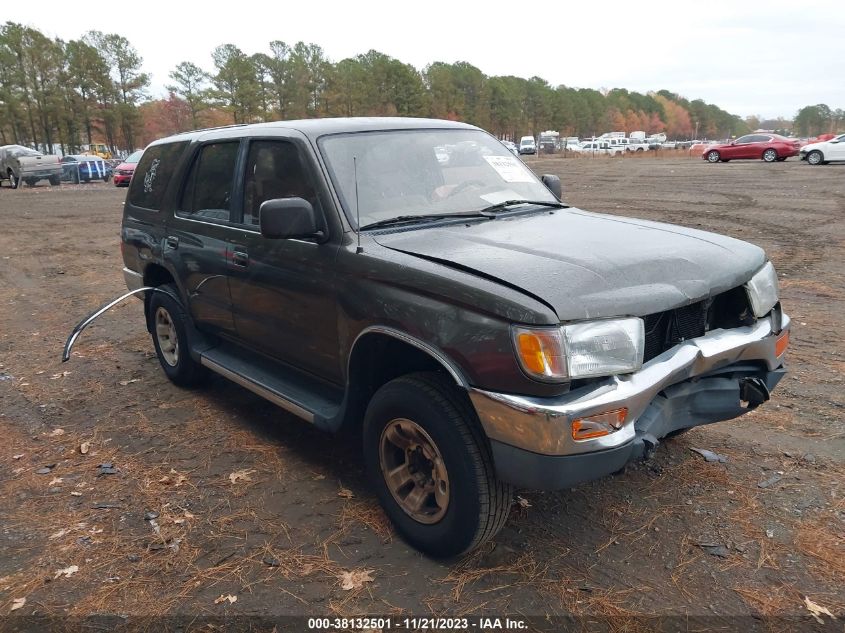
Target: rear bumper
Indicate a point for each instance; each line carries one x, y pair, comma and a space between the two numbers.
40, 174
697, 382
133, 280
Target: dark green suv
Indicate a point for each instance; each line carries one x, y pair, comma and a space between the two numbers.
413, 278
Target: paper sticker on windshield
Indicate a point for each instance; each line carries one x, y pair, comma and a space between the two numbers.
509, 168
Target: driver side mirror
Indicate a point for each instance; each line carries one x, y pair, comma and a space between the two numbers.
288, 218
552, 183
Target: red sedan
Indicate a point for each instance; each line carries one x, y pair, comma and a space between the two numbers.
768, 147
123, 172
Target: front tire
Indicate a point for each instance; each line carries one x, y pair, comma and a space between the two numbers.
13, 180
431, 466
713, 156
770, 156
169, 322
815, 158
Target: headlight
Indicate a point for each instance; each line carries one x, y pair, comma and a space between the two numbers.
763, 290
581, 350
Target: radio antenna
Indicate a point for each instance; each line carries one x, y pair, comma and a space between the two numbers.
359, 249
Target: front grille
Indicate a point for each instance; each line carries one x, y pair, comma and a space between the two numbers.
664, 330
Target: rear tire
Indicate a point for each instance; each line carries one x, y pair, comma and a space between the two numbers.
770, 155
55, 181
713, 156
815, 158
169, 323
443, 498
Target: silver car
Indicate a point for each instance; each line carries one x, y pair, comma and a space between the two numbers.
22, 164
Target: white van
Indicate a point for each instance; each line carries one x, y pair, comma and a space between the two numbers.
527, 145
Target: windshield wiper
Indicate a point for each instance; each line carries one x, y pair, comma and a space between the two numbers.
486, 212
501, 206
423, 218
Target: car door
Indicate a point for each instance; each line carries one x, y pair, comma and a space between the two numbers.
739, 148
200, 233
836, 149
283, 293
759, 144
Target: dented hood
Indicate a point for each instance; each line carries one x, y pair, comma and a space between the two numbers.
588, 265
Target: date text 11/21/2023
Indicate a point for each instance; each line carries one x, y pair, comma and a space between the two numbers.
459, 625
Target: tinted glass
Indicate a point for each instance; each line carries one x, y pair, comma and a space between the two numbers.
153, 175
417, 172
744, 139
274, 170
208, 190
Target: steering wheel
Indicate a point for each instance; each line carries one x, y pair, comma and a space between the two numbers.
465, 185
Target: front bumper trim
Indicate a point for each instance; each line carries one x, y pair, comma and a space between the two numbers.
543, 425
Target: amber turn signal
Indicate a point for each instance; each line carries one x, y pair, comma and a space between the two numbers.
781, 344
598, 425
541, 352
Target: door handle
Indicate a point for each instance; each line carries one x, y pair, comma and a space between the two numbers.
171, 241
240, 258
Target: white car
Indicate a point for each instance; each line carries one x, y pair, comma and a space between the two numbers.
824, 152
527, 145
512, 148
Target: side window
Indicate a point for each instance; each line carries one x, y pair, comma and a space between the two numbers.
742, 140
153, 173
274, 169
208, 187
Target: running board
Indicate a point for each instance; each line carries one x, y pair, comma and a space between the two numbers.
303, 396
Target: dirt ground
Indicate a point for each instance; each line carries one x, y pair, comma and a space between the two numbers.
216, 494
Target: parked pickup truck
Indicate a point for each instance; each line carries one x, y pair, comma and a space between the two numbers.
599, 147
481, 334
22, 164
637, 145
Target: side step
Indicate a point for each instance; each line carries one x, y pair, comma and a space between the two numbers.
306, 397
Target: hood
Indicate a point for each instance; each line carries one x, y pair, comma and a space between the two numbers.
587, 265
127, 166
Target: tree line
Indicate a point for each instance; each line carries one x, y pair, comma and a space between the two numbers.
65, 94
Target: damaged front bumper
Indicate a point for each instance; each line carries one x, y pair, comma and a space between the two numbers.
702, 380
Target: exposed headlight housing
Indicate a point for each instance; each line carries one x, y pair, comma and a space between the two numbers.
581, 350
763, 290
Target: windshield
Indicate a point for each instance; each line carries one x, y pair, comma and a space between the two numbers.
134, 157
421, 172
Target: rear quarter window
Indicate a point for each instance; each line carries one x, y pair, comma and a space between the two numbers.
153, 174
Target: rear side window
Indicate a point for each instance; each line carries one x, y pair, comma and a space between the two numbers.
153, 174
208, 189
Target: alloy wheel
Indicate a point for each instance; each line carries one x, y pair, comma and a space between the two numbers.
713, 157
414, 470
168, 339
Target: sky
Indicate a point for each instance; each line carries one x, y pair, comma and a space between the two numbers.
750, 57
